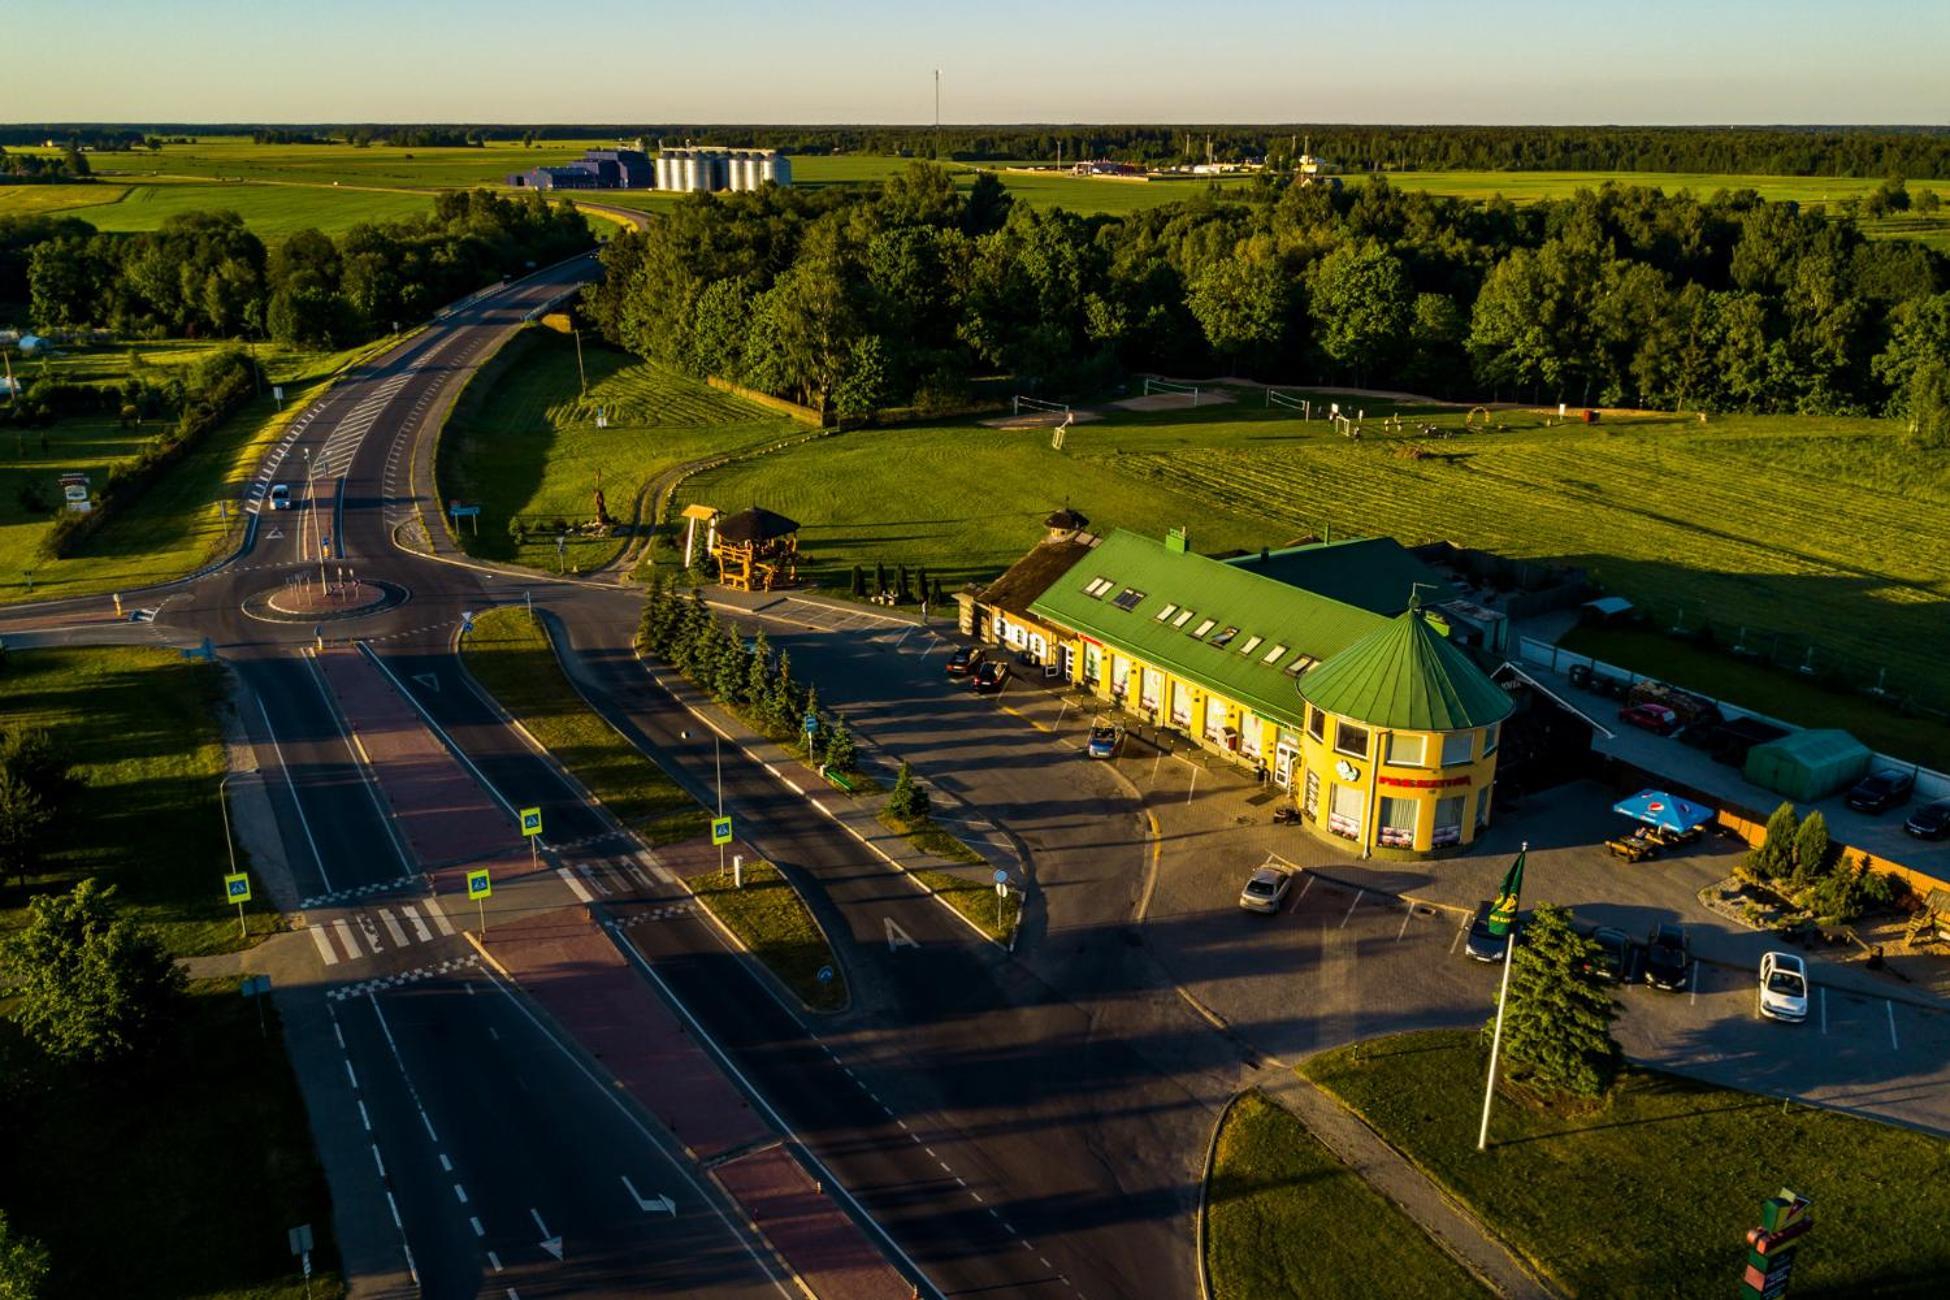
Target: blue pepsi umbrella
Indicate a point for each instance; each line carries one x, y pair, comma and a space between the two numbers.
1666, 811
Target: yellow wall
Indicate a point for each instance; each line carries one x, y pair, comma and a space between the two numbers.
1469, 780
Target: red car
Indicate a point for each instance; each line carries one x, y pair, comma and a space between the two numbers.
1655, 718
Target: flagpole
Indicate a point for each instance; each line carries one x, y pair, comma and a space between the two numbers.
1496, 1038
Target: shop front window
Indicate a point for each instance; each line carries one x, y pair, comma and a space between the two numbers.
1310, 801
1150, 686
1350, 740
1458, 747
1482, 808
1396, 827
1344, 812
1448, 821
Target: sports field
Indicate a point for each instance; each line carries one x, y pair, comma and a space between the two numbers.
1666, 510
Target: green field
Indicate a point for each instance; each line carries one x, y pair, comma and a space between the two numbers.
523, 442
1652, 1194
270, 210
1273, 1192
1659, 508
771, 920
177, 524
236, 158
138, 725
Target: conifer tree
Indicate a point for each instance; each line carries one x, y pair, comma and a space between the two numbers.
859, 586
758, 670
841, 753
1558, 1018
908, 802
1775, 856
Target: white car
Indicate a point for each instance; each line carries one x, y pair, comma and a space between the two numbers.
1266, 889
280, 496
1783, 987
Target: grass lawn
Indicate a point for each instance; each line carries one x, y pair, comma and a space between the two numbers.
1652, 1195
1283, 1217
138, 725
272, 211
1822, 529
177, 524
523, 441
25, 200
1789, 695
770, 919
510, 656
178, 1177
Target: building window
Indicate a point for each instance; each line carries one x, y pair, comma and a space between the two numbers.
1150, 685
1273, 655
1127, 599
1225, 637
1344, 812
1448, 822
1204, 627
1396, 827
1458, 747
1407, 750
1350, 740
1310, 802
1491, 734
1167, 612
1252, 644
1183, 616
1097, 587
1482, 808
1317, 724
1300, 664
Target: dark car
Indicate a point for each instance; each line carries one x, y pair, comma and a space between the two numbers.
966, 660
1667, 960
1931, 821
1613, 960
1481, 944
1882, 790
1655, 718
991, 676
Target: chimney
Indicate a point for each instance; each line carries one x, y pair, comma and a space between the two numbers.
1176, 541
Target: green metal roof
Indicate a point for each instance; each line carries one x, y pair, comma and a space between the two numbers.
1148, 576
1407, 676
1377, 574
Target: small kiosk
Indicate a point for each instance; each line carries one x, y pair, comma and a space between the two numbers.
756, 550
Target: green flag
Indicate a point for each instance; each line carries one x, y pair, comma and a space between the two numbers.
1503, 912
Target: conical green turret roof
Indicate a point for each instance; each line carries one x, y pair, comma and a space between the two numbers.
1407, 676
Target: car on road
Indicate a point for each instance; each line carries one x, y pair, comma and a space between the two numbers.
1266, 889
1103, 740
1655, 718
1613, 960
1881, 790
966, 660
1481, 944
280, 496
990, 677
1931, 821
1783, 987
1667, 959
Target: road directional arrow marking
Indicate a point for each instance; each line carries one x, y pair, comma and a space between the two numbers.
553, 1245
427, 680
661, 1204
275, 535
898, 938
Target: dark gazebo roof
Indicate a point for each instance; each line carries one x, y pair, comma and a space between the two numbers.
1067, 520
755, 525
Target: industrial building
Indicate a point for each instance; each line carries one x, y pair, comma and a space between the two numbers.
1319, 667
683, 170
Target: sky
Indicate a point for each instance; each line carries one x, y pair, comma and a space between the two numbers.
1001, 61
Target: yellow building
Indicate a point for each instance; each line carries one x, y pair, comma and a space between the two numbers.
1383, 732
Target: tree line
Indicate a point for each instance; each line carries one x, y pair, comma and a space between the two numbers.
38, 168
1618, 296
207, 275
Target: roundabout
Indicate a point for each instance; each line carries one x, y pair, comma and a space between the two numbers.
301, 601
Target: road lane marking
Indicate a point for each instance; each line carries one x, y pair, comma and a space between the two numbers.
1406, 917
1453, 943
344, 933
460, 1193
446, 1165
440, 921
393, 927
575, 886
475, 1224
325, 952
1305, 885
593, 878
419, 926
1824, 1008
1693, 997
495, 1260
377, 1161
1350, 909
1895, 1045
296, 802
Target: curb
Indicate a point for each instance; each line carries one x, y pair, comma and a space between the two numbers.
1205, 1193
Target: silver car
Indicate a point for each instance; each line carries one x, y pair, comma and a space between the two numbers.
1266, 889
1783, 987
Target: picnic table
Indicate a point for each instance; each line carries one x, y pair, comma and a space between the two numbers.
1636, 847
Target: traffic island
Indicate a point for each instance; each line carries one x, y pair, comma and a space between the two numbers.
310, 602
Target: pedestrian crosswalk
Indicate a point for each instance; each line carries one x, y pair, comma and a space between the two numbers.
368, 934
366, 988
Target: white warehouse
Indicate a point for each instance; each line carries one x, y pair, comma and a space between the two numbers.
710, 170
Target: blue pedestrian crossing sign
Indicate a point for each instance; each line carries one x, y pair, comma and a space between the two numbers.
812, 723
721, 830
478, 884
531, 821
237, 888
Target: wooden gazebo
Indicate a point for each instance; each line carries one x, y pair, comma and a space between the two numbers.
757, 550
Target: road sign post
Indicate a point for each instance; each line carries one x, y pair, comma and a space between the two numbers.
237, 889
479, 887
812, 729
531, 829
258, 987
1001, 892
300, 1240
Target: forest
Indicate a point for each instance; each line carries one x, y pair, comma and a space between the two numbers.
1620, 296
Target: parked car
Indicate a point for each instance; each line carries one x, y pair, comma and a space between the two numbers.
1931, 821
1667, 960
1613, 960
1266, 889
1103, 740
280, 496
966, 660
1881, 790
990, 677
1655, 718
1783, 987
1481, 944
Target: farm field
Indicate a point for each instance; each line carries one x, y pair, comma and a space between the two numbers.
1662, 509
32, 200
270, 210
177, 524
523, 442
1660, 1182
236, 158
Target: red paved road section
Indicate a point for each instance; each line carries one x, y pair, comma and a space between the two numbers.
446, 819
572, 969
